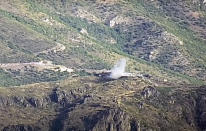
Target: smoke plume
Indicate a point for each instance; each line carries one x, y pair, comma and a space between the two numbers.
119, 69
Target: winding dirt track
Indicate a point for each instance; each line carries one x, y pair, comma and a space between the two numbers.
41, 65
45, 64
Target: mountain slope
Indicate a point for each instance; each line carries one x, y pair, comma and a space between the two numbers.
54, 56
95, 34
87, 104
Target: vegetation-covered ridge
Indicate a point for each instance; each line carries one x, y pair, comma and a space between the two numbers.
85, 103
97, 33
55, 58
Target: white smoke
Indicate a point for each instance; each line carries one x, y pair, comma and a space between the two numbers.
119, 69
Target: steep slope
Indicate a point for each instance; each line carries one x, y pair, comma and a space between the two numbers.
89, 104
97, 33
52, 54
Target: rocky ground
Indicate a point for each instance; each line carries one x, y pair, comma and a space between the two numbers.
54, 56
90, 104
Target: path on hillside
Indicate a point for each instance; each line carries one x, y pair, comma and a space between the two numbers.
41, 65
45, 64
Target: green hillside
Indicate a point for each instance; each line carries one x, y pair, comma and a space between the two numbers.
59, 70
96, 34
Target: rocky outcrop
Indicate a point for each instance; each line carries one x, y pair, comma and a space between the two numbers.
19, 128
78, 108
74, 112
120, 105
106, 119
103, 120
149, 92
201, 111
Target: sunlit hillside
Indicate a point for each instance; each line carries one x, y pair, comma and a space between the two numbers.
54, 55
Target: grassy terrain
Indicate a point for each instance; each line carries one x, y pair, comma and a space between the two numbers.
51, 99
7, 80
52, 22
194, 46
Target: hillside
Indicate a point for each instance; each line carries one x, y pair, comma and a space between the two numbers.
96, 34
87, 104
53, 52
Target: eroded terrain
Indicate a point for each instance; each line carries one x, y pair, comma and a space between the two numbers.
54, 55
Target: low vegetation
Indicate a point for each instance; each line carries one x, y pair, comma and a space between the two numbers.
59, 24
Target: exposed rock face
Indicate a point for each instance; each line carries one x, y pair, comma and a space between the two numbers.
119, 20
86, 30
120, 105
108, 119
102, 120
201, 111
190, 105
70, 109
19, 128
149, 92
